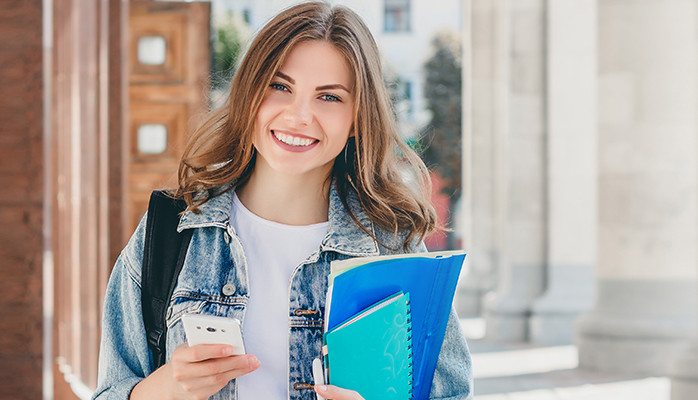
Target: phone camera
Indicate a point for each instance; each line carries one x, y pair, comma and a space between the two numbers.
210, 329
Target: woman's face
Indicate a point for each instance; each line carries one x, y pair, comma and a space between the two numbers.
307, 112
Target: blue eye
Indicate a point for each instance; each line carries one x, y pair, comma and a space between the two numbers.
278, 86
330, 98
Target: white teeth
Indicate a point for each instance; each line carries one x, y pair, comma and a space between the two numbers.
293, 140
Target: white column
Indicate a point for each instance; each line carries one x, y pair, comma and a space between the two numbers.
684, 373
465, 306
646, 290
519, 184
571, 170
684, 370
484, 40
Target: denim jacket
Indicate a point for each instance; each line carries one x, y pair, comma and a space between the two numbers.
215, 258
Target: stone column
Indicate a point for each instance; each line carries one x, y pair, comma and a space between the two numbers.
571, 170
646, 291
463, 300
479, 85
684, 374
518, 179
684, 370
482, 80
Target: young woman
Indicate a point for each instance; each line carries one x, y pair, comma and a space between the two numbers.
303, 166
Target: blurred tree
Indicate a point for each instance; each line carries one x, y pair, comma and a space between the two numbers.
231, 34
399, 99
441, 138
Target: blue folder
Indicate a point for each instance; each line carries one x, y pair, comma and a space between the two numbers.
431, 282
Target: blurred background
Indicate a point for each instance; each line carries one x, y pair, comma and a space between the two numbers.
561, 136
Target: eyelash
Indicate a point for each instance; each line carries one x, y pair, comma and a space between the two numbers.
330, 98
278, 86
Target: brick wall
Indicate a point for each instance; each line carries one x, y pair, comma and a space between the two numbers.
21, 191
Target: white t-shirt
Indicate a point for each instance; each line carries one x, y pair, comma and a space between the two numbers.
273, 251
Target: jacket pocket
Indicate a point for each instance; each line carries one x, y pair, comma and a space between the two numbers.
187, 302
184, 303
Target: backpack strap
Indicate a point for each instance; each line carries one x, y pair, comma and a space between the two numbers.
163, 256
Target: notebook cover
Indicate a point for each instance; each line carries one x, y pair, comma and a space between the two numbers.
431, 283
371, 352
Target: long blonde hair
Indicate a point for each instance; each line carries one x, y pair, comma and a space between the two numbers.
375, 162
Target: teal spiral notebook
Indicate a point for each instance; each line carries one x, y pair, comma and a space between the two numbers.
371, 352
429, 278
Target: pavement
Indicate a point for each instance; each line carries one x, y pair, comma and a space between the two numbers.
524, 371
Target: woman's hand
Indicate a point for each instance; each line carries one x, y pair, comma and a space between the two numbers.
195, 373
335, 393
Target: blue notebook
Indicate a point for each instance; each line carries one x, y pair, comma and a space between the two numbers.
371, 352
429, 278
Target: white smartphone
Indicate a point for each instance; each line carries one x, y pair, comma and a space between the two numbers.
209, 329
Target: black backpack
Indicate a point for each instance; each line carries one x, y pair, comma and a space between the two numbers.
163, 256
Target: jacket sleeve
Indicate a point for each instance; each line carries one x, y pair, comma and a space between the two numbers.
453, 378
124, 356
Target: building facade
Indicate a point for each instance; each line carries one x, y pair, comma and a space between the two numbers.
581, 152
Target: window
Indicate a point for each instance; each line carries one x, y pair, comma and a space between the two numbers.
407, 88
152, 50
401, 94
397, 15
152, 139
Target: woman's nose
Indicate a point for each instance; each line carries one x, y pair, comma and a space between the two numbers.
298, 112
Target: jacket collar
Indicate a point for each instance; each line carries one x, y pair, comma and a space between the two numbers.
343, 235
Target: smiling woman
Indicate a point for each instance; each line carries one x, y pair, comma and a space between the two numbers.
303, 122
301, 167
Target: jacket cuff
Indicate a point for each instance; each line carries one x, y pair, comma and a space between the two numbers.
120, 390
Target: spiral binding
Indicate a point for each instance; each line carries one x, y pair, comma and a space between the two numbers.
409, 349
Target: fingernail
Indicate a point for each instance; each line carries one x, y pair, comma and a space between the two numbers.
252, 361
321, 388
227, 350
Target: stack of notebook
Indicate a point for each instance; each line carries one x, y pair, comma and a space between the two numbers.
384, 353
385, 321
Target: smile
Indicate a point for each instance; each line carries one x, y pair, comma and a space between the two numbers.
293, 140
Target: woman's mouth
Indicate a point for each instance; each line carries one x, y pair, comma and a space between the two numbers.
293, 140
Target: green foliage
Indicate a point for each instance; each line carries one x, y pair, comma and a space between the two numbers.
441, 138
230, 36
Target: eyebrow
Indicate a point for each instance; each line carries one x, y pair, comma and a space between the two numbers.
323, 87
333, 86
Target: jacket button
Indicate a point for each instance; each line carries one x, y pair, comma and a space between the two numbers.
229, 289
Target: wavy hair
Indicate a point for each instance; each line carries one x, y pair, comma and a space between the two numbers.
389, 178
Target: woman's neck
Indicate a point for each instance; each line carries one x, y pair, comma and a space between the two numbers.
286, 199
